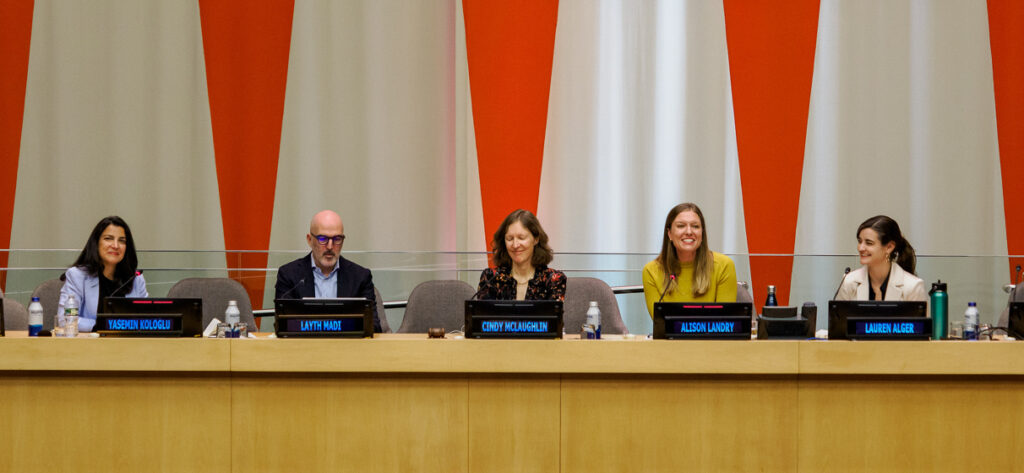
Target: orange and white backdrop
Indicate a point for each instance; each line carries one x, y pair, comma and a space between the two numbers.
223, 124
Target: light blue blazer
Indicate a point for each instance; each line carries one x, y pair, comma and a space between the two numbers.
86, 289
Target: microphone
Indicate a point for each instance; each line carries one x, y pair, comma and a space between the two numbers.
841, 281
1016, 283
671, 277
137, 273
296, 286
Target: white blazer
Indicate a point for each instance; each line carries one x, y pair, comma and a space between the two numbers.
903, 286
86, 289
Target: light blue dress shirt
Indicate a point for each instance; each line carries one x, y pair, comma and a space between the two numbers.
326, 286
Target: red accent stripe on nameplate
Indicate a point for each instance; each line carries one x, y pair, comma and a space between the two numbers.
163, 302
142, 302
713, 307
693, 307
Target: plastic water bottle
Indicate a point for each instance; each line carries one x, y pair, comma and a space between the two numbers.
771, 301
592, 327
71, 317
232, 317
35, 317
940, 310
971, 322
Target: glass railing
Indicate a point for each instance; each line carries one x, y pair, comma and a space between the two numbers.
396, 273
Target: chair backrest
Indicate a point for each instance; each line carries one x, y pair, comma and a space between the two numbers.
215, 293
384, 325
1014, 296
578, 294
434, 304
743, 292
48, 293
15, 315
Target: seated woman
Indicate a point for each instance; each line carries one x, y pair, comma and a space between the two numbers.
686, 270
888, 265
521, 253
105, 268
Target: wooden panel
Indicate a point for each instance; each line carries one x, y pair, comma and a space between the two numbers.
645, 424
390, 353
343, 423
923, 357
114, 423
514, 424
20, 352
923, 424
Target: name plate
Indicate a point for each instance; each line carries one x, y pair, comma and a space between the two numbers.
707, 327
139, 325
888, 328
324, 325
521, 326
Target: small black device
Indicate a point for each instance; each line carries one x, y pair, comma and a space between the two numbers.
702, 321
323, 318
1015, 321
150, 317
3, 328
784, 323
878, 320
513, 319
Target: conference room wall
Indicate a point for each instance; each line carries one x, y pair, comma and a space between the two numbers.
378, 124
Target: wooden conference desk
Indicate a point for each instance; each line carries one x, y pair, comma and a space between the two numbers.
404, 403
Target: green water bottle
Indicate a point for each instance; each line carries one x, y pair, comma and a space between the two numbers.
940, 310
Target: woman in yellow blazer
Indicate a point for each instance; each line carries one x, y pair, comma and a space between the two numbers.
888, 265
687, 270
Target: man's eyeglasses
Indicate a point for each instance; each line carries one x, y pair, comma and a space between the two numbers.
323, 239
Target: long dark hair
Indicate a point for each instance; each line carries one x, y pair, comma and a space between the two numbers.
90, 261
542, 254
703, 262
888, 230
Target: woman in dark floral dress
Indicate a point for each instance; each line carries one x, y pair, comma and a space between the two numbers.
521, 253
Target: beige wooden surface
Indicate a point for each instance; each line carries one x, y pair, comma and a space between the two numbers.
349, 423
120, 422
405, 403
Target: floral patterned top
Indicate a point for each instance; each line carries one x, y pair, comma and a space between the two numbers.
498, 284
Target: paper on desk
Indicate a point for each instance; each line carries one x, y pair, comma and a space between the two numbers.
211, 328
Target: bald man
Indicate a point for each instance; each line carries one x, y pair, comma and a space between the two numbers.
323, 273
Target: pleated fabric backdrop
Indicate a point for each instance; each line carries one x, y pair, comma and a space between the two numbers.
226, 125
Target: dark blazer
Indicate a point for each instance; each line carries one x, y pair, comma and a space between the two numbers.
295, 281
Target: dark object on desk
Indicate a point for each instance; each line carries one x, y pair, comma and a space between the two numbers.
514, 319
878, 320
702, 321
323, 318
435, 332
1015, 321
149, 317
784, 323
3, 330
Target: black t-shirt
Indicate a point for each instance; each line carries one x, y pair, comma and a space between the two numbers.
871, 289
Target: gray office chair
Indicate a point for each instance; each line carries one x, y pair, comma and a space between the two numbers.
48, 293
15, 315
215, 293
1015, 296
578, 294
743, 292
384, 325
434, 304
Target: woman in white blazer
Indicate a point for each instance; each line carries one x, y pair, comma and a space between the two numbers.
105, 268
888, 265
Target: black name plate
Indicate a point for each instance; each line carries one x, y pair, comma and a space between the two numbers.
515, 326
888, 328
324, 326
140, 325
732, 327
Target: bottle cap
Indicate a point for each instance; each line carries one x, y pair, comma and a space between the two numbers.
230, 303
972, 304
593, 303
771, 288
938, 286
35, 299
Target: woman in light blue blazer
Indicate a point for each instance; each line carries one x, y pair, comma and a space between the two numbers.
105, 268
